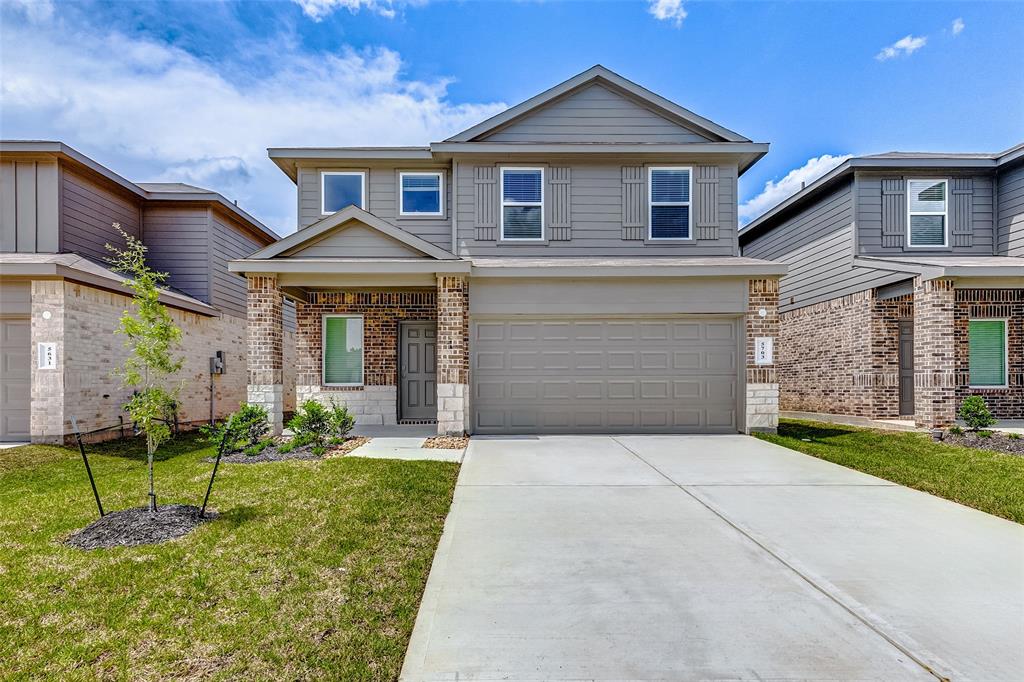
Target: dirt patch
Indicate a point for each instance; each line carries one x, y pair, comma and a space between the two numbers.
273, 454
136, 526
447, 442
997, 441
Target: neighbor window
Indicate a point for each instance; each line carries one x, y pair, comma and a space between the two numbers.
343, 350
926, 201
669, 203
421, 194
522, 203
987, 352
339, 189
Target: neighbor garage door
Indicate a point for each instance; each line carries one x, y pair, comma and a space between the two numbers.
585, 375
15, 379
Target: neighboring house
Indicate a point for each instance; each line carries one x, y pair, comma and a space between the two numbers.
60, 303
905, 290
568, 266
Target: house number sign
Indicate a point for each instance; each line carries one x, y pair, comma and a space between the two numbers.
763, 350
47, 356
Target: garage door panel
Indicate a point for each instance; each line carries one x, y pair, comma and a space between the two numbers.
15, 378
586, 375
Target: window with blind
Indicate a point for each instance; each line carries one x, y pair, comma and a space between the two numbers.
339, 189
421, 194
926, 202
522, 203
668, 191
987, 352
343, 350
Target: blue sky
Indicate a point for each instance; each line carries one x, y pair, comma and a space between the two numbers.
195, 91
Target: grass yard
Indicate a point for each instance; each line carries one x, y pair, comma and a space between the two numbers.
990, 481
314, 570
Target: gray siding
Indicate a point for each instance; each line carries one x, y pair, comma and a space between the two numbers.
178, 241
87, 211
597, 217
382, 193
29, 206
817, 245
594, 114
1011, 212
357, 241
870, 212
228, 240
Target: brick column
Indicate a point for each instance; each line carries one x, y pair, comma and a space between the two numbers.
47, 408
934, 353
265, 334
762, 398
452, 354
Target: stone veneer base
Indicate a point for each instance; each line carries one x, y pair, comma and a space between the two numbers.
452, 409
762, 408
369, 404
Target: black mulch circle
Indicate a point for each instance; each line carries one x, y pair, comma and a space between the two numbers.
271, 454
132, 527
997, 441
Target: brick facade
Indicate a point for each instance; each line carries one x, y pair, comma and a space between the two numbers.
762, 386
935, 376
452, 354
1008, 304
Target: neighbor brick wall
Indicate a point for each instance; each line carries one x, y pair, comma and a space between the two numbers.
1005, 403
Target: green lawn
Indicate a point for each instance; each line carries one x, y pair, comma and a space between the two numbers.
314, 570
985, 480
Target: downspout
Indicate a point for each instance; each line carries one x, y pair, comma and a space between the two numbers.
454, 208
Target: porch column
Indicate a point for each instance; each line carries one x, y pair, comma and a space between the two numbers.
934, 353
452, 354
762, 322
265, 334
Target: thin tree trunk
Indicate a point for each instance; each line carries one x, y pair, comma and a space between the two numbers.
152, 492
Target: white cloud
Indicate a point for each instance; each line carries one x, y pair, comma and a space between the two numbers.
318, 10
35, 10
155, 112
774, 193
668, 10
958, 26
903, 47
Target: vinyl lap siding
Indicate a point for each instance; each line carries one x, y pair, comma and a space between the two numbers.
594, 114
178, 242
228, 241
1011, 212
87, 211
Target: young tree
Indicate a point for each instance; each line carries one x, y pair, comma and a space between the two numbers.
151, 337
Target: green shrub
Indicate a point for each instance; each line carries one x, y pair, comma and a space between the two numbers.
975, 413
249, 427
956, 430
1013, 436
312, 425
984, 434
342, 421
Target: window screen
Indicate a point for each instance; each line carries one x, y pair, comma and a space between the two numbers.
421, 193
927, 202
522, 207
987, 352
343, 350
670, 203
341, 190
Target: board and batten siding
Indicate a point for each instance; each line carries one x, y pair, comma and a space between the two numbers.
29, 207
87, 211
596, 215
383, 200
594, 114
881, 209
1011, 212
817, 245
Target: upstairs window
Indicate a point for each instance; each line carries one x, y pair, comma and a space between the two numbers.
669, 203
339, 189
421, 194
926, 202
986, 341
343, 350
522, 203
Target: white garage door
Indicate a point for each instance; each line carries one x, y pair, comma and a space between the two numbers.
584, 375
15, 379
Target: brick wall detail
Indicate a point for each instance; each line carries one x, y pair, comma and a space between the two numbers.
762, 387
935, 376
452, 354
1008, 304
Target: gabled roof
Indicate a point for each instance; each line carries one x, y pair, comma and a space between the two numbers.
339, 220
599, 74
889, 160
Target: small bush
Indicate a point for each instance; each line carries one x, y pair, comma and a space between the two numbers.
312, 425
975, 413
342, 421
1013, 436
956, 430
249, 427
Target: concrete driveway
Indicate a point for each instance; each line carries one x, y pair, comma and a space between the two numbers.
710, 557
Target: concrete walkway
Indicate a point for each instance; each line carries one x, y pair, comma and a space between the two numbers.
719, 557
402, 441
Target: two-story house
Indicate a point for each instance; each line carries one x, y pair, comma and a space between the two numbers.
60, 302
905, 290
568, 266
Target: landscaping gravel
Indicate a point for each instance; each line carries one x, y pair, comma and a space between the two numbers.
136, 526
447, 442
998, 441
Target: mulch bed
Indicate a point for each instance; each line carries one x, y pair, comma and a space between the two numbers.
998, 441
136, 526
447, 442
272, 454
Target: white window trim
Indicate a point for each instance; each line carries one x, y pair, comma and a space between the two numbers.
1006, 352
651, 204
945, 214
323, 350
401, 193
501, 195
323, 195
